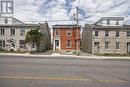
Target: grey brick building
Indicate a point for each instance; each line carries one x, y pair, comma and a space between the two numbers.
108, 35
13, 33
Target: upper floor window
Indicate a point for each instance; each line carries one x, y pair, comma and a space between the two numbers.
2, 31
128, 33
57, 32
108, 22
106, 33
12, 31
22, 32
96, 33
117, 22
6, 20
117, 33
69, 32
68, 43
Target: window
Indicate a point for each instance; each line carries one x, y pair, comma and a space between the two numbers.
2, 43
22, 44
68, 43
2, 31
117, 45
108, 22
106, 33
117, 33
128, 33
6, 20
96, 33
22, 33
12, 31
33, 45
96, 44
106, 45
117, 22
57, 33
69, 32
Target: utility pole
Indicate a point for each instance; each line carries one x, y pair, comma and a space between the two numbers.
77, 28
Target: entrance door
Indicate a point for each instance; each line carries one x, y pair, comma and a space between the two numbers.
128, 47
56, 44
96, 47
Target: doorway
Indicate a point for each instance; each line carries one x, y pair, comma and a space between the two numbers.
57, 45
128, 47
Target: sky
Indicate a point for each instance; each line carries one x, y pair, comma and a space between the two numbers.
61, 11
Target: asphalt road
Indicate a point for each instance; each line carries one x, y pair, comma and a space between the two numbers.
65, 72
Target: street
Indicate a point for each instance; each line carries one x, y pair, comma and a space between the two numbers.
55, 72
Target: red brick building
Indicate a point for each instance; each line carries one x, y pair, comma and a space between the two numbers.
66, 37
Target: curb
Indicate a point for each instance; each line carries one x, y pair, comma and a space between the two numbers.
67, 56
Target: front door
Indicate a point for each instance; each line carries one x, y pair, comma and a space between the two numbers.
128, 47
56, 44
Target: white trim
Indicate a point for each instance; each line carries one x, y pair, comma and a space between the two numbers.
69, 31
56, 38
55, 30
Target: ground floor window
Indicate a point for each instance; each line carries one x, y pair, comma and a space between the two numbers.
2, 43
22, 44
117, 45
33, 45
68, 44
106, 45
96, 44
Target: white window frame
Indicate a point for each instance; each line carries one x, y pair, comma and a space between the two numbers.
2, 31
69, 31
106, 32
67, 44
118, 47
96, 32
6, 21
55, 30
128, 33
22, 45
107, 47
118, 34
22, 33
11, 31
108, 21
2, 43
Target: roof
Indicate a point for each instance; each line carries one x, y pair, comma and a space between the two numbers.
110, 18
20, 25
104, 27
66, 26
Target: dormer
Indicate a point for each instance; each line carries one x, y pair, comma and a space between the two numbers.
9, 21
110, 21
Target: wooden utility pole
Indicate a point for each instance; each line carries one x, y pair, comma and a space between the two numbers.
77, 22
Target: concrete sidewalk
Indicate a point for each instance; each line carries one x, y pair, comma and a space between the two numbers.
66, 56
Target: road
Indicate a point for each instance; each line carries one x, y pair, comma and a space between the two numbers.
55, 72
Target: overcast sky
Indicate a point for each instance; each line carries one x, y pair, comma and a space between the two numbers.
89, 10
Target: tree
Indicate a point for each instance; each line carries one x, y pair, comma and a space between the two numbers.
35, 37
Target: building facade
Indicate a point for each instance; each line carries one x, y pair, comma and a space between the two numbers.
13, 33
66, 37
108, 35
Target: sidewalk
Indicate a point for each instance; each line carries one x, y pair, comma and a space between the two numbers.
65, 56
